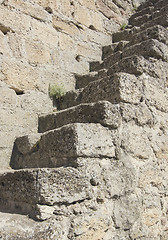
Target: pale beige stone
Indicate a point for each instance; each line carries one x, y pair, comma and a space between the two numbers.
66, 42
64, 26
14, 21
44, 33
19, 76
4, 46
30, 9
37, 53
48, 4
83, 15
17, 45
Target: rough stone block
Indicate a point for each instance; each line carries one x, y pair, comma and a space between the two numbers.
82, 15
138, 65
14, 21
84, 80
161, 20
44, 33
21, 191
135, 141
62, 146
19, 76
37, 53
120, 87
64, 26
103, 112
27, 8
149, 48
155, 32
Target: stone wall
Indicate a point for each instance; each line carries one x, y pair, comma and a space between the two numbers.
46, 42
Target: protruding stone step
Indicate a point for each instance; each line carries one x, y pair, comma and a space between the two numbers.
62, 146
138, 65
147, 4
138, 21
102, 112
125, 35
70, 99
149, 48
128, 34
114, 47
149, 15
147, 10
83, 80
121, 87
113, 88
26, 191
95, 66
161, 20
157, 32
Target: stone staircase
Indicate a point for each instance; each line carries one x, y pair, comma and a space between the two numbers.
61, 164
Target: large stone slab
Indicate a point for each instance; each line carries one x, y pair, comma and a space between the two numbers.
22, 191
62, 146
102, 112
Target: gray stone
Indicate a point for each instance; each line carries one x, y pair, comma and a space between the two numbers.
121, 87
102, 112
62, 146
22, 190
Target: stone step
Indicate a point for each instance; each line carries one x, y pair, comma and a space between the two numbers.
121, 87
138, 21
160, 20
94, 66
70, 99
147, 10
152, 3
114, 47
128, 34
102, 112
125, 35
157, 32
138, 65
147, 17
147, 4
83, 80
149, 48
62, 146
31, 192
109, 89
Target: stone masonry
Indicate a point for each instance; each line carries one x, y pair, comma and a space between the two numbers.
97, 168
48, 42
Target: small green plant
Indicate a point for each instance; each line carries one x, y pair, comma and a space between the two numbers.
123, 26
56, 91
134, 9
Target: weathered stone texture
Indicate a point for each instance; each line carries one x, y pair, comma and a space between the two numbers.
42, 43
98, 168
